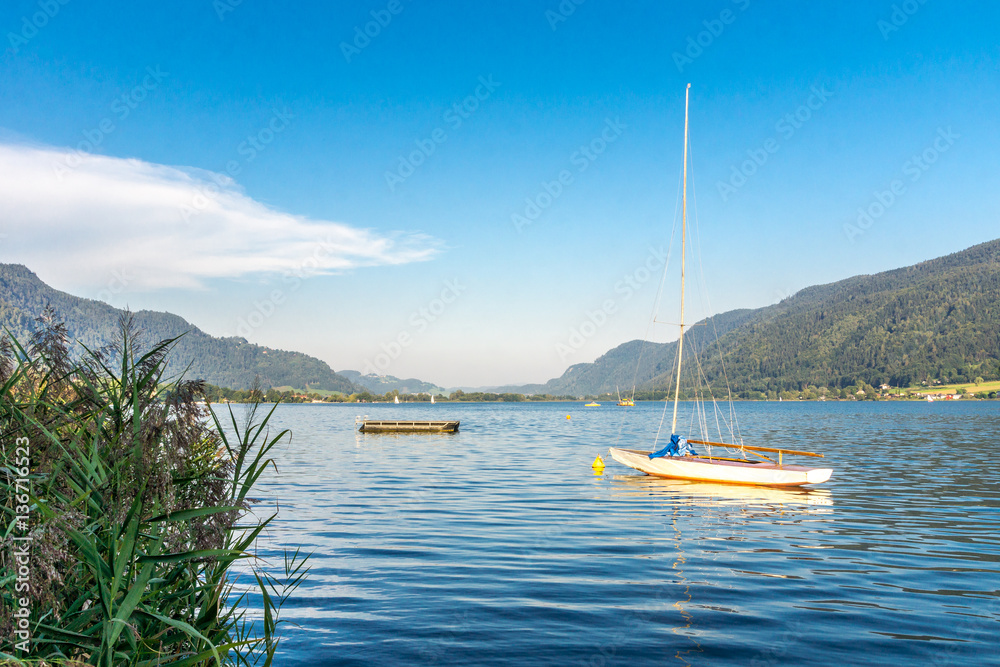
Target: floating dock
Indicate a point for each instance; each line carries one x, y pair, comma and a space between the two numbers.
396, 426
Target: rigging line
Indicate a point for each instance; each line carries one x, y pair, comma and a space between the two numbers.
702, 375
733, 419
659, 289
649, 324
656, 308
702, 384
684, 194
711, 393
666, 403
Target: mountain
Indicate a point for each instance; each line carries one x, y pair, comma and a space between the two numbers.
939, 319
226, 362
380, 384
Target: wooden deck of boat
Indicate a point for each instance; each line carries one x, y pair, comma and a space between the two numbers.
397, 426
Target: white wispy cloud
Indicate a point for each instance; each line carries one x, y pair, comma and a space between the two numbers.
79, 218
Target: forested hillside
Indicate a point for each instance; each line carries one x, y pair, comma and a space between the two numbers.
939, 319
226, 362
381, 384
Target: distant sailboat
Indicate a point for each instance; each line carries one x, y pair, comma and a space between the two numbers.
679, 459
625, 402
396, 400
432, 398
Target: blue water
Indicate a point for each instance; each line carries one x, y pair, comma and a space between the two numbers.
499, 544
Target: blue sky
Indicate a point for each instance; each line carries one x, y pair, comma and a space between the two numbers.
262, 170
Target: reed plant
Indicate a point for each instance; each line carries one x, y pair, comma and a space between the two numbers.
141, 541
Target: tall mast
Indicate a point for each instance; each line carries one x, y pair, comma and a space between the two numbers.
684, 205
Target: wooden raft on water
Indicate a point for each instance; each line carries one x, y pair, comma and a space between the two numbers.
397, 426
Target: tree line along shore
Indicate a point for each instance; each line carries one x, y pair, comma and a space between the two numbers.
861, 392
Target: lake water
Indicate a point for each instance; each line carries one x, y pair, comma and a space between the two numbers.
499, 544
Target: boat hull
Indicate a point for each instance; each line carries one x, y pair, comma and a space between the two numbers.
729, 472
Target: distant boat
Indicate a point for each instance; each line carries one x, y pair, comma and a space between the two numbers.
432, 398
592, 404
626, 402
395, 400
678, 459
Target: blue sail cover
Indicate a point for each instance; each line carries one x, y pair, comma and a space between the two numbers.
678, 447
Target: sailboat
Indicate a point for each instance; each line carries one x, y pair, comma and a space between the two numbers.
432, 398
679, 459
625, 402
395, 399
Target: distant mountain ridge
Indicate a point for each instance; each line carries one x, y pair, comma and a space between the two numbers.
226, 362
936, 319
381, 384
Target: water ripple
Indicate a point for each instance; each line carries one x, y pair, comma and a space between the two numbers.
498, 545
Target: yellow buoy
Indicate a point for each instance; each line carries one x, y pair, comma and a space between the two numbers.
598, 464
567, 416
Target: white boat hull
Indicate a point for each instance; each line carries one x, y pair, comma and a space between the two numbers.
730, 472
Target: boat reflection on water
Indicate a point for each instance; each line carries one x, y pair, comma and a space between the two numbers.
700, 513
708, 493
